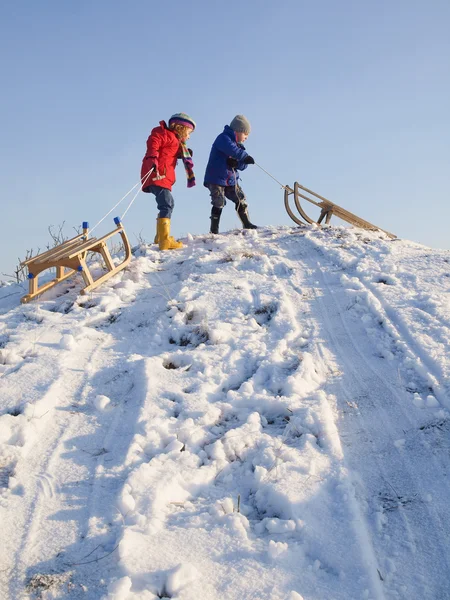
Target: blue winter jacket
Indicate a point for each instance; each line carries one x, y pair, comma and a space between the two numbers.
217, 170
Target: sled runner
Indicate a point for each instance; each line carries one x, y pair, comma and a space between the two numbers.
328, 209
71, 255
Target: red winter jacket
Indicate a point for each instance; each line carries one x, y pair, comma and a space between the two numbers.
163, 148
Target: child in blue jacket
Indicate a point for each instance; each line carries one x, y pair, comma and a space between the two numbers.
228, 156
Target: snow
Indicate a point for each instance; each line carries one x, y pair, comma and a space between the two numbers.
263, 415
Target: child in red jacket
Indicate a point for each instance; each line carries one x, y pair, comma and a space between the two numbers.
164, 146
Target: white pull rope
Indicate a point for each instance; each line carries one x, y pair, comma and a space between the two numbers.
123, 198
134, 198
283, 186
108, 213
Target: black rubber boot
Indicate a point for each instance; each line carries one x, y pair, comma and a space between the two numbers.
215, 219
243, 215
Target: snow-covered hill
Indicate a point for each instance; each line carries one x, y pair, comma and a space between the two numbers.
261, 415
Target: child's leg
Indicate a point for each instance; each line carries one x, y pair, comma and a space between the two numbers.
236, 195
218, 202
164, 201
217, 193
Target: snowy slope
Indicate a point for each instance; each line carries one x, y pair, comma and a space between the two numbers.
261, 415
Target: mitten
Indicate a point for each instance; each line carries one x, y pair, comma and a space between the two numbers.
249, 160
154, 163
232, 162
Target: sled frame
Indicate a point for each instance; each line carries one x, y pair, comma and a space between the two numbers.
71, 255
328, 209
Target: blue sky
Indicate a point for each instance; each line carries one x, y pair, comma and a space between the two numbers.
349, 98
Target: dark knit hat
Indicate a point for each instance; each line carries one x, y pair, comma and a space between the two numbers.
240, 124
182, 119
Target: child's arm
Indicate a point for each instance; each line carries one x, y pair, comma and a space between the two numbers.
154, 144
243, 164
230, 148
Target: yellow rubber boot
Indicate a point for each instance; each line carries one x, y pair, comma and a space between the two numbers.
156, 240
166, 241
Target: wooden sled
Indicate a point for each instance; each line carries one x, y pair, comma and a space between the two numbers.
328, 209
72, 255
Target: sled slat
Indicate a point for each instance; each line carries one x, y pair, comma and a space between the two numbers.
328, 209
71, 255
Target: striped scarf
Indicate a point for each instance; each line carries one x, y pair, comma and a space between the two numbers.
188, 165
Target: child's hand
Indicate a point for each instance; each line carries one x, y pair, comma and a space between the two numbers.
157, 176
154, 165
232, 162
249, 160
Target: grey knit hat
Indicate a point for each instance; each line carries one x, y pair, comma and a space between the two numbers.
240, 124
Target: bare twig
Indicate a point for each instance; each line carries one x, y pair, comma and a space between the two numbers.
87, 562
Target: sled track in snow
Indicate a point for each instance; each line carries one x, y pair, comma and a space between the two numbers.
43, 480
397, 327
404, 504
419, 353
66, 518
